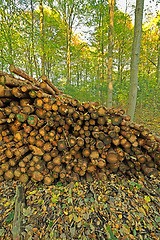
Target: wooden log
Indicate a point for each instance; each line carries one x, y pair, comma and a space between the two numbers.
116, 120
116, 141
99, 144
28, 109
21, 117
42, 94
112, 156
6, 120
136, 126
21, 151
112, 134
91, 168
48, 180
26, 87
40, 166
45, 79
32, 120
101, 163
145, 132
152, 144
47, 88
101, 111
80, 142
61, 144
94, 155
37, 176
10, 81
35, 150
4, 166
24, 101
107, 140
57, 160
149, 171
21, 73
16, 92
5, 92
41, 113
157, 138
114, 167
141, 158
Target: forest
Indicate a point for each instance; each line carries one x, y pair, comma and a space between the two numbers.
40, 37
74, 163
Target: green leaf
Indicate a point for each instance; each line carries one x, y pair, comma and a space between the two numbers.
50, 224
138, 186
134, 232
131, 183
54, 198
59, 184
92, 200
2, 232
10, 217
157, 219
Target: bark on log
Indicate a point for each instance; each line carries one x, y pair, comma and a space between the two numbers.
21, 73
45, 79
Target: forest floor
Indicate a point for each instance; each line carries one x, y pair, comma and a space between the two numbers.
149, 117
119, 209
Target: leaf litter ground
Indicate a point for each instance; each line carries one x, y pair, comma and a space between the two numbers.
119, 208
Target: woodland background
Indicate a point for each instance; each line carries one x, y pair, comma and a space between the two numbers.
40, 37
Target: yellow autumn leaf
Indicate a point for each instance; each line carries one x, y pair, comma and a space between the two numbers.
7, 204
78, 219
70, 217
145, 206
44, 208
147, 198
126, 230
120, 216
141, 209
65, 212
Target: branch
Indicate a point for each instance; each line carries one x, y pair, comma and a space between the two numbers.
151, 61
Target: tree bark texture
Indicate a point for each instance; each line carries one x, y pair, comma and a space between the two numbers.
135, 58
110, 52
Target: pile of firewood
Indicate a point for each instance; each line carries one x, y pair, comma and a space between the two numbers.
47, 135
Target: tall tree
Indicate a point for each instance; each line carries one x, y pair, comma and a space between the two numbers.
158, 65
72, 13
42, 35
135, 58
110, 53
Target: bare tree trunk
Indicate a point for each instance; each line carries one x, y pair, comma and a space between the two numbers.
42, 36
2, 60
32, 37
135, 58
110, 53
102, 56
69, 56
158, 65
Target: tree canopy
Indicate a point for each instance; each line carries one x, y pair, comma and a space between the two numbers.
30, 36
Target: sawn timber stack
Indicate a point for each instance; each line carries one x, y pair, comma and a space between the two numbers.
47, 135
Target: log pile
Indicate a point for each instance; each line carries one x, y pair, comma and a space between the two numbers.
47, 135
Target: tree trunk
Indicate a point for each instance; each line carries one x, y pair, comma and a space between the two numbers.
42, 36
135, 58
158, 65
110, 53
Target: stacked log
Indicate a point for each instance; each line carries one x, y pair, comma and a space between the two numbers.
46, 135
